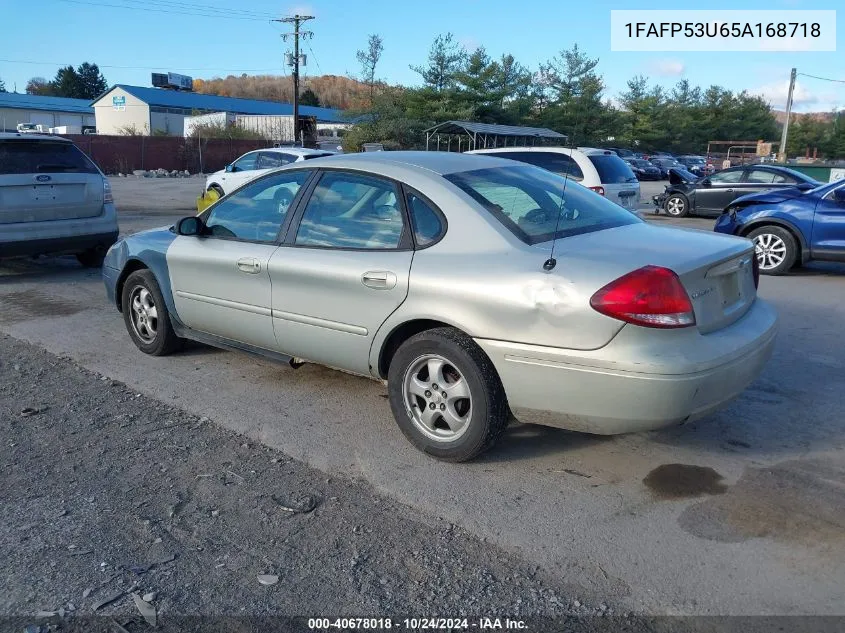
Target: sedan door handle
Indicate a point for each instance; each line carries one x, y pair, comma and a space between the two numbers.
379, 279
249, 265
730, 190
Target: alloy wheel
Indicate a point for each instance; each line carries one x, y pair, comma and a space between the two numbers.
144, 314
437, 398
770, 250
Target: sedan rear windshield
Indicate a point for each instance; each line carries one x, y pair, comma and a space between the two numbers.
537, 205
21, 156
612, 169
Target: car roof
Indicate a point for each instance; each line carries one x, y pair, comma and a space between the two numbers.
528, 148
441, 163
5, 136
298, 151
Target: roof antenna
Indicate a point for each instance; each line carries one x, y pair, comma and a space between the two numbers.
551, 262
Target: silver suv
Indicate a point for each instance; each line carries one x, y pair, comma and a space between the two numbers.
53, 199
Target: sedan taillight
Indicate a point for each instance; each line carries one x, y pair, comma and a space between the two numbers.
651, 296
598, 190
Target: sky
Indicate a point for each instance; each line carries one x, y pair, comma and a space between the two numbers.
205, 38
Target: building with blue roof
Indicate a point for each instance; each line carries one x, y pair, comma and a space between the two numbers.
157, 110
47, 111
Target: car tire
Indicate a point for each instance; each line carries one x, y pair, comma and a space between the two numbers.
148, 321
474, 412
677, 206
776, 249
92, 258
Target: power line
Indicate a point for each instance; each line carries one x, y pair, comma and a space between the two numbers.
226, 15
839, 81
147, 66
314, 57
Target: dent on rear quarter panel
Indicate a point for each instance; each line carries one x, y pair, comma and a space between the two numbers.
150, 248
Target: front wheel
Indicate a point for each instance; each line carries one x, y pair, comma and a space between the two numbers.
677, 206
146, 317
446, 395
775, 248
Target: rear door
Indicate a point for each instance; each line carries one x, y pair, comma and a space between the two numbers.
828, 240
342, 271
46, 179
716, 192
620, 184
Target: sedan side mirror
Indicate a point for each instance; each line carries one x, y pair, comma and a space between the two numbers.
230, 169
192, 226
706, 182
839, 195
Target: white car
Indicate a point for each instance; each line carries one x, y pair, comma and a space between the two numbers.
598, 169
256, 163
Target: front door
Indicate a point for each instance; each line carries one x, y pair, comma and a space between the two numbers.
342, 271
712, 198
828, 241
221, 280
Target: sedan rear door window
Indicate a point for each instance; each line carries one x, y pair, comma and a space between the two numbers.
352, 211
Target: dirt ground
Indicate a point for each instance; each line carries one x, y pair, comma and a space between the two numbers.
108, 493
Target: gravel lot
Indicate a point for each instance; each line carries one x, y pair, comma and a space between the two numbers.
756, 527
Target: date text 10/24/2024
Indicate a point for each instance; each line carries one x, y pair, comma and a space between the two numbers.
416, 624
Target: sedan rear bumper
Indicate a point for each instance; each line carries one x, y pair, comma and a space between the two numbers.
593, 393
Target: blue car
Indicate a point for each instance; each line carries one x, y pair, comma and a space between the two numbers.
790, 227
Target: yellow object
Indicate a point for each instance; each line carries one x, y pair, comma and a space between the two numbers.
206, 200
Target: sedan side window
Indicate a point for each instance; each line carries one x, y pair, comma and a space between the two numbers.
352, 211
246, 162
257, 211
727, 176
427, 224
764, 177
270, 160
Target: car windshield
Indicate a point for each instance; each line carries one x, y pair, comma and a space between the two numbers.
537, 205
612, 169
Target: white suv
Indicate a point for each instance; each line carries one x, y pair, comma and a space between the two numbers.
598, 169
53, 199
254, 164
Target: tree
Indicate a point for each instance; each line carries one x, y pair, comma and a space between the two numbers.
39, 86
2, 86
369, 59
68, 84
91, 80
445, 59
309, 98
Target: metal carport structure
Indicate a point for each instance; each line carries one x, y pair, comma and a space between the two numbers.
486, 135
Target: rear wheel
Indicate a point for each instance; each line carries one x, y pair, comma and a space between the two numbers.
146, 317
677, 206
776, 249
446, 395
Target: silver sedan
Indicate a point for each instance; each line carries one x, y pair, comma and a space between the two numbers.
478, 288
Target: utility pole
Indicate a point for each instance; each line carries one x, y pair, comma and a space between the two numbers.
297, 21
782, 149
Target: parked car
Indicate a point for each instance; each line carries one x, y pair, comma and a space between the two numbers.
597, 169
53, 200
621, 152
791, 226
643, 169
476, 287
688, 194
253, 164
697, 165
664, 164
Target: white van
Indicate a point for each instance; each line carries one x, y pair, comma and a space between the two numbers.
598, 169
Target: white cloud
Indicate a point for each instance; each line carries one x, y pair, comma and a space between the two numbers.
803, 98
469, 42
667, 67
301, 9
